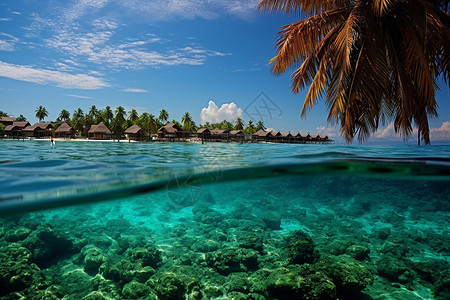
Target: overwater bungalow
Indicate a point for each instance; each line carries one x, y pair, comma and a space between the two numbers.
237, 135
261, 135
134, 133
170, 131
220, 134
287, 137
65, 131
7, 120
15, 130
38, 130
99, 132
204, 133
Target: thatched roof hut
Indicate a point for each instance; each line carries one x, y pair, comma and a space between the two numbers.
171, 130
134, 132
15, 130
236, 132
99, 132
65, 130
7, 120
262, 133
203, 133
38, 130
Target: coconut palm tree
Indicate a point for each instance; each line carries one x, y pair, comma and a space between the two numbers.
372, 61
239, 124
3, 114
187, 122
133, 116
250, 129
77, 121
93, 112
145, 123
108, 114
259, 126
41, 113
64, 115
163, 115
21, 118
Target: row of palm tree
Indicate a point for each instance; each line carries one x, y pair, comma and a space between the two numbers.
118, 121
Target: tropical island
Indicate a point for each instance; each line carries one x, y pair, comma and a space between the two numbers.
106, 124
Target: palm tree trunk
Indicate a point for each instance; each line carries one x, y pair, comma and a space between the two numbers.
418, 137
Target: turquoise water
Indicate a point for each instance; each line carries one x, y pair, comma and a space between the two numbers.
99, 220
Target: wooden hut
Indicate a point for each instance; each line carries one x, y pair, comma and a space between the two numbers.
7, 120
38, 130
237, 135
99, 132
134, 133
261, 135
15, 130
204, 133
170, 131
220, 134
286, 137
65, 131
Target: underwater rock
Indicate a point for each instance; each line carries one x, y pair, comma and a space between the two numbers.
205, 246
243, 296
146, 256
210, 217
210, 292
77, 283
393, 268
250, 240
93, 259
168, 286
271, 219
338, 247
17, 272
441, 288
300, 247
94, 296
228, 260
296, 283
358, 252
48, 245
18, 234
123, 270
349, 275
137, 290
383, 233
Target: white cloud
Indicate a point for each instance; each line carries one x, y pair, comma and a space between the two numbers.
442, 133
16, 13
213, 114
436, 134
132, 90
96, 47
7, 42
327, 131
189, 9
43, 76
78, 96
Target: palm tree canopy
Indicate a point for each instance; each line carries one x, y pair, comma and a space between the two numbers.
239, 124
93, 111
163, 115
21, 118
133, 115
64, 115
41, 113
373, 61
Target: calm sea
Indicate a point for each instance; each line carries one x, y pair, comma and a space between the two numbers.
105, 220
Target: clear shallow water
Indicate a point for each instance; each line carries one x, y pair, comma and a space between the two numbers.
223, 221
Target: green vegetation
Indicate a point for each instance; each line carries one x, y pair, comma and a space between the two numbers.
373, 61
41, 113
117, 121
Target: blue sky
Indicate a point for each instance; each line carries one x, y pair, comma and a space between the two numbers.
174, 54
